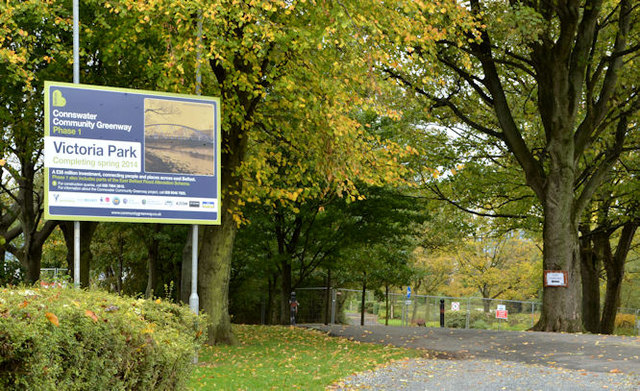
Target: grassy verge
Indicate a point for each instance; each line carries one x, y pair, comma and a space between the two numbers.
286, 358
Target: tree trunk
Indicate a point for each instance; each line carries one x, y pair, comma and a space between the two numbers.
214, 268
614, 267
386, 304
33, 261
414, 313
561, 306
271, 308
185, 271
152, 263
486, 305
327, 299
364, 294
590, 271
285, 287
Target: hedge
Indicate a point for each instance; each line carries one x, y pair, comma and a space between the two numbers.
69, 339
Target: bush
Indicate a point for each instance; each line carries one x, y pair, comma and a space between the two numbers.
458, 319
627, 321
68, 339
480, 324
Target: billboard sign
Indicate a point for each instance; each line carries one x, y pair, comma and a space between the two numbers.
114, 154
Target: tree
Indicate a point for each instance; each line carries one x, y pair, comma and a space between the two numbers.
542, 81
30, 41
607, 232
37, 46
266, 58
503, 267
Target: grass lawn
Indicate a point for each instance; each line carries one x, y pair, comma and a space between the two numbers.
286, 358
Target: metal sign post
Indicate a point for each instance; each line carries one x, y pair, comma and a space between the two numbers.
194, 300
76, 80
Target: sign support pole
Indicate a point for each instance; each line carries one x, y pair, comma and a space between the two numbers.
76, 80
194, 300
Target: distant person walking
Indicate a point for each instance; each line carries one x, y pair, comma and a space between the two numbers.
293, 304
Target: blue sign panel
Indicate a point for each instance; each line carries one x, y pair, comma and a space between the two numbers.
115, 154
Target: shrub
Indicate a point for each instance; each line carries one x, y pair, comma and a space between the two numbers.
68, 339
625, 321
458, 319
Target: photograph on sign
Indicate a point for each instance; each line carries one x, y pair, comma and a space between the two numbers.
128, 155
178, 137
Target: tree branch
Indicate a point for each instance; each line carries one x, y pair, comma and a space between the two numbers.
603, 169
609, 84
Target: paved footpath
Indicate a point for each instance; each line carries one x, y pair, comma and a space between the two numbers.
497, 360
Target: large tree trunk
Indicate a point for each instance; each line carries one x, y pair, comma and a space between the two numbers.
185, 271
271, 311
614, 266
152, 263
31, 254
32, 260
214, 269
285, 287
561, 306
590, 272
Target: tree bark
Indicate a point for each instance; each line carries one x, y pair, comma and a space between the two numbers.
327, 299
614, 267
272, 281
185, 270
152, 263
590, 271
364, 294
285, 287
561, 305
386, 304
214, 269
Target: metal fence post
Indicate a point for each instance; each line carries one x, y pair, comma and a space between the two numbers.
466, 326
533, 314
426, 310
333, 305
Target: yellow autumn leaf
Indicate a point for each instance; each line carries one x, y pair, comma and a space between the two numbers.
91, 314
52, 318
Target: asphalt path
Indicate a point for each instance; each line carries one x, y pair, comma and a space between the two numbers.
580, 352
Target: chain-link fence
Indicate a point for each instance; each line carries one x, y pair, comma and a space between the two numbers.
343, 306
50, 277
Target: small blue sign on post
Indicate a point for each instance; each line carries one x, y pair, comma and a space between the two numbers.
114, 154
408, 292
